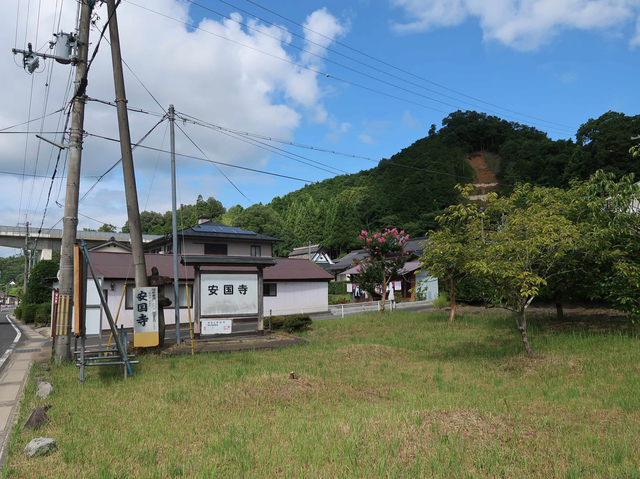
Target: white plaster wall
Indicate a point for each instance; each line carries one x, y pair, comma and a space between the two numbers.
297, 297
233, 249
430, 282
125, 317
293, 297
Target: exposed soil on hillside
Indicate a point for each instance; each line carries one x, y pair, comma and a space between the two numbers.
484, 172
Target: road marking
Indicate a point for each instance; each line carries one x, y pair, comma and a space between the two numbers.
13, 345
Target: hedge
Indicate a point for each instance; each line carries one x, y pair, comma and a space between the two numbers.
295, 322
338, 287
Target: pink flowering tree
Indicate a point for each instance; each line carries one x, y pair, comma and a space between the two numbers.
387, 257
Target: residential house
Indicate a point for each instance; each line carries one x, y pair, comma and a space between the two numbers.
316, 253
215, 239
291, 286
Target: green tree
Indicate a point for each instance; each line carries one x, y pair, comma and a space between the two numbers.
107, 228
451, 251
37, 292
615, 207
262, 219
527, 239
386, 257
603, 144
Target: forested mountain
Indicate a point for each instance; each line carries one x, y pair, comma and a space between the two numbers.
411, 188
408, 190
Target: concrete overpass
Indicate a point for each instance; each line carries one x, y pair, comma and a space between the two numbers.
51, 239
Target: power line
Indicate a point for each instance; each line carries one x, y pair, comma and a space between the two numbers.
217, 167
292, 62
119, 160
208, 160
395, 67
570, 129
32, 120
283, 153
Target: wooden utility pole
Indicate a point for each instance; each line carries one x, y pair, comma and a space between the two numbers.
27, 262
174, 225
70, 219
133, 211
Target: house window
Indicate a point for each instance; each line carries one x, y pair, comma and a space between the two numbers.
256, 251
270, 289
217, 249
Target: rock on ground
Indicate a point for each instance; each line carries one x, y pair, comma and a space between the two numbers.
38, 418
44, 389
39, 446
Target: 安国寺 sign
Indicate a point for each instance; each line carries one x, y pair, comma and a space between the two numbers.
228, 294
145, 317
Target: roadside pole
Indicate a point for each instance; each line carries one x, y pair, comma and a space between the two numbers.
70, 219
174, 223
133, 211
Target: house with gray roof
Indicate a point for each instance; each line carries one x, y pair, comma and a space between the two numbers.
209, 238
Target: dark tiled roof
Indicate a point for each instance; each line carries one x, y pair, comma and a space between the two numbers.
120, 266
211, 230
111, 241
413, 245
304, 250
347, 261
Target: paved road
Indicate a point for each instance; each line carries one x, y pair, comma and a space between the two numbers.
8, 334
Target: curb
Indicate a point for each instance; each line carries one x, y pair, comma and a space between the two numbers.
14, 378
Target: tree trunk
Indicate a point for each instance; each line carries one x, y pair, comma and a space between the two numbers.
452, 296
521, 323
559, 311
384, 293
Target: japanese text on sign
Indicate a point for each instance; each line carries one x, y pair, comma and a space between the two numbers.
145, 310
228, 294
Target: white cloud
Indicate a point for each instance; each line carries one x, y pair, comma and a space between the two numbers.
569, 77
364, 138
203, 74
322, 29
410, 121
635, 41
520, 24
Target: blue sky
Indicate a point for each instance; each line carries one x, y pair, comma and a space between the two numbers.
561, 61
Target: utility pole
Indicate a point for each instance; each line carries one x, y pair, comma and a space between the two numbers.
27, 263
70, 219
133, 211
174, 223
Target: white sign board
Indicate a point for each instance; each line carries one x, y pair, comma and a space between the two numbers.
216, 326
145, 317
93, 313
228, 294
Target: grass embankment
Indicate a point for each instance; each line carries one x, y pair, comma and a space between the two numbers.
393, 395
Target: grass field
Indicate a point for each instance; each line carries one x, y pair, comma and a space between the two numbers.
378, 395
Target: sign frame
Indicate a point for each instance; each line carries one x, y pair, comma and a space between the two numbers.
249, 308
146, 330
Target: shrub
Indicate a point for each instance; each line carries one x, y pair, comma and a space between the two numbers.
297, 322
339, 298
43, 313
442, 301
338, 287
18, 312
277, 322
29, 312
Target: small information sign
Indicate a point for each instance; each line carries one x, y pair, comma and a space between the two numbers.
145, 317
216, 326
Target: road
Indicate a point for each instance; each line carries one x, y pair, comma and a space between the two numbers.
7, 336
